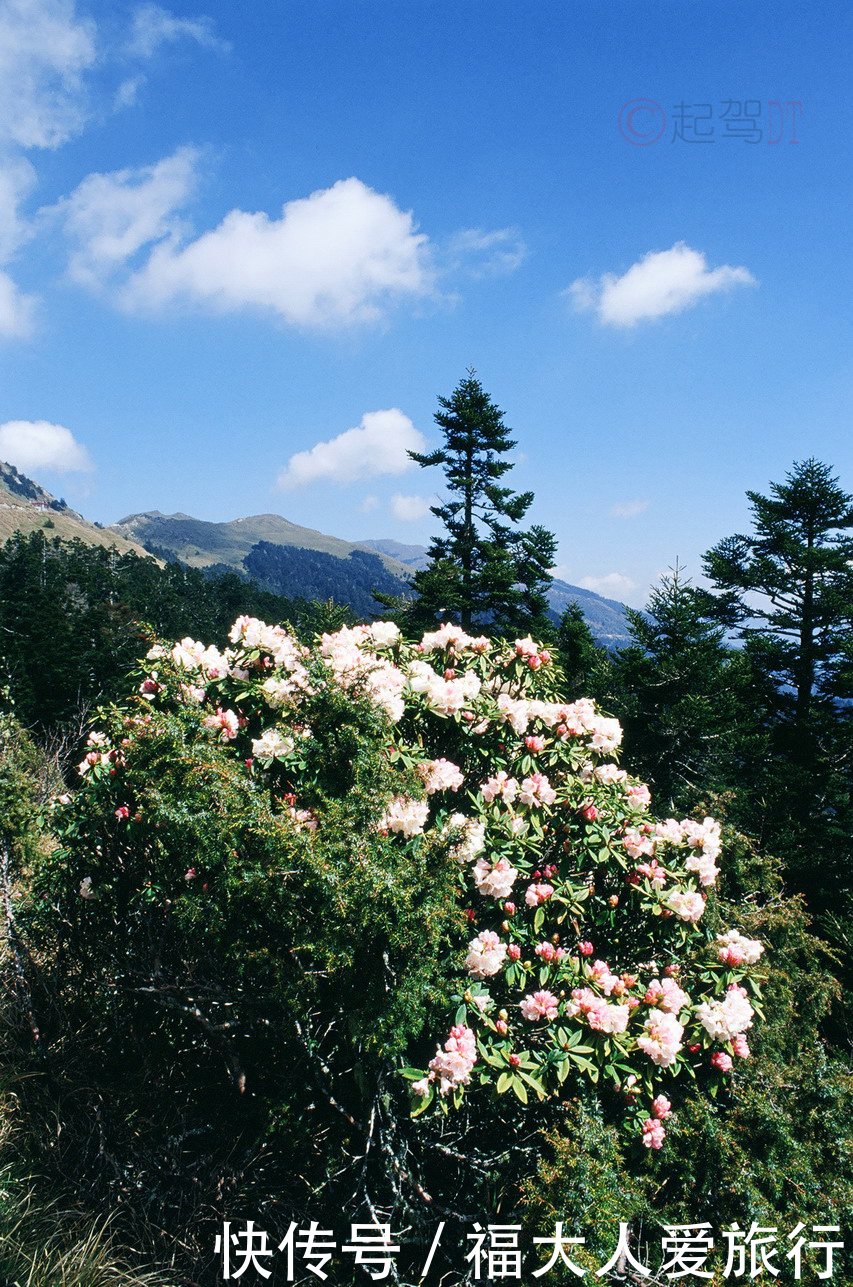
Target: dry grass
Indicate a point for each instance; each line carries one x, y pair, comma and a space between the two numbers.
42, 1245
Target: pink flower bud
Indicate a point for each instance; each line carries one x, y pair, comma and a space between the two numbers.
514, 1061
514, 952
586, 948
722, 1061
589, 812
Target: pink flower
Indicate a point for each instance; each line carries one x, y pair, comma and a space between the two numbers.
722, 1061
452, 1066
538, 893
546, 951
589, 812
536, 790
653, 1133
539, 1005
535, 744
740, 1046
513, 952
661, 1107
122, 812
586, 948
500, 785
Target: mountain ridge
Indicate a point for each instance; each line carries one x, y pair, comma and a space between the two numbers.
244, 545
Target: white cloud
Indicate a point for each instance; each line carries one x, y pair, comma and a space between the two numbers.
111, 216
44, 51
337, 257
662, 282
614, 583
487, 254
562, 572
154, 26
32, 445
128, 92
409, 508
17, 179
378, 445
369, 504
629, 509
17, 310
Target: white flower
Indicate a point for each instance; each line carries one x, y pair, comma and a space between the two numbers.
725, 1019
405, 815
687, 907
473, 840
486, 955
271, 745
494, 880
440, 775
662, 1038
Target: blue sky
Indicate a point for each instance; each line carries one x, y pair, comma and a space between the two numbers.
243, 248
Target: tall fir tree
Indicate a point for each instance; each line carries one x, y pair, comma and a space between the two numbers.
790, 584
788, 589
676, 692
485, 572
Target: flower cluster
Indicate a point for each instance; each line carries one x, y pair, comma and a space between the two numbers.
561, 867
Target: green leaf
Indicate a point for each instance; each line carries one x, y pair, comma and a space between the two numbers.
520, 1089
424, 1104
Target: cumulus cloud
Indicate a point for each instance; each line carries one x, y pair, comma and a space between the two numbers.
17, 310
44, 51
613, 583
629, 509
487, 254
335, 258
662, 282
378, 445
409, 508
32, 445
112, 216
154, 26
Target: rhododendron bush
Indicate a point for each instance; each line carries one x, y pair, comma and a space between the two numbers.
593, 950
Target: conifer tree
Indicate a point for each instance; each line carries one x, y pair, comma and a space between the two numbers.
790, 584
485, 571
675, 692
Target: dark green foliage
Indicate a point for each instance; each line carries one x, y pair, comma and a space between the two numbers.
221, 996
678, 693
579, 655
484, 571
796, 570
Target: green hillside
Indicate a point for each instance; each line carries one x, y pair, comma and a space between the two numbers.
26, 507
201, 544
